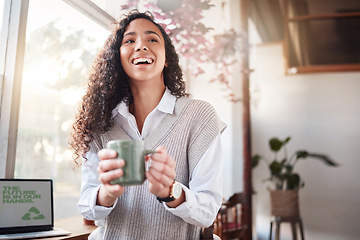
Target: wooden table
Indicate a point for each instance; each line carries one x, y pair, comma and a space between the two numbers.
75, 225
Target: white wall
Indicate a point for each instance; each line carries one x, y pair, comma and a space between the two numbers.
230, 113
321, 112
201, 89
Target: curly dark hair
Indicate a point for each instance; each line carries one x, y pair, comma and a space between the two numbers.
108, 85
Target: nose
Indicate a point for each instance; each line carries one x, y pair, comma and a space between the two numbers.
141, 46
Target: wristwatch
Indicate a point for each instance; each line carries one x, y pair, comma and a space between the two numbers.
175, 193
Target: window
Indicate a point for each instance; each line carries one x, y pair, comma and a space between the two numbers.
61, 44
1, 15
322, 35
1, 43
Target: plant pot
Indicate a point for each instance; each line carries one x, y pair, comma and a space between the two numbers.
284, 203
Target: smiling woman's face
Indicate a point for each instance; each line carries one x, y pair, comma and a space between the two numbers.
142, 51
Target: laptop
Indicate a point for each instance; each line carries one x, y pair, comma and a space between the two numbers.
27, 209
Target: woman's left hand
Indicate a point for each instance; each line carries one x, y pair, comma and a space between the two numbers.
161, 173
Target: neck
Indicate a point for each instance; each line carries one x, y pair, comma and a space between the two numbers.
145, 100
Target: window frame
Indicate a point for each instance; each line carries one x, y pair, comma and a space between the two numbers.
13, 42
288, 43
12, 46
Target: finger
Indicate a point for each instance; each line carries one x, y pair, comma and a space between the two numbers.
114, 190
160, 155
163, 157
162, 168
105, 154
161, 177
106, 177
154, 185
109, 165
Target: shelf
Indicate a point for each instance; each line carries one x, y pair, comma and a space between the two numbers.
324, 68
324, 16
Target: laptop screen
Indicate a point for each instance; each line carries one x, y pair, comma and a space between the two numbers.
25, 204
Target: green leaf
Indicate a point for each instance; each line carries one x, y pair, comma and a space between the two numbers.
255, 160
281, 168
301, 154
275, 144
292, 181
324, 158
275, 168
288, 168
286, 140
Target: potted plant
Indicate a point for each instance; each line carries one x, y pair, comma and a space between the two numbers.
286, 182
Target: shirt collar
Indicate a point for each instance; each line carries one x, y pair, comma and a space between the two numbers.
166, 105
167, 102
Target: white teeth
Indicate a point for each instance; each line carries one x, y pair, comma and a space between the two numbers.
142, 60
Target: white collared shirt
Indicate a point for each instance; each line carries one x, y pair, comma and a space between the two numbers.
204, 195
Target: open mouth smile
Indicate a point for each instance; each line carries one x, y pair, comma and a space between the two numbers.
142, 60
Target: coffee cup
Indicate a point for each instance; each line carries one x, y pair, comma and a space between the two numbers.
133, 152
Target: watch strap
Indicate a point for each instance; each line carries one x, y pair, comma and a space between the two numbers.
167, 199
170, 198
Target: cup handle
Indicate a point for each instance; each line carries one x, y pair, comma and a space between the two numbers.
147, 152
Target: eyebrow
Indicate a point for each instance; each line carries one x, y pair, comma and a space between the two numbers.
146, 32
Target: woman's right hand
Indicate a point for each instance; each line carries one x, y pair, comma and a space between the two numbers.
108, 170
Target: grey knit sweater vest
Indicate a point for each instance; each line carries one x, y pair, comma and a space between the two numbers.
186, 134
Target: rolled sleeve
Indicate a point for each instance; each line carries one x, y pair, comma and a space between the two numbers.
203, 198
89, 190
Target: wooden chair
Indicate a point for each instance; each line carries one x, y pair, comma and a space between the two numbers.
229, 222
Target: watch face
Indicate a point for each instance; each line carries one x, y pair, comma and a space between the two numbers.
177, 190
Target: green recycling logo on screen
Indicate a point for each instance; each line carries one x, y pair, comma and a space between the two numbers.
34, 214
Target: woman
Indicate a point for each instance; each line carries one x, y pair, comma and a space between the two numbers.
136, 92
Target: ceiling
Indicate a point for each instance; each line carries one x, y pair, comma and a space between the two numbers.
267, 16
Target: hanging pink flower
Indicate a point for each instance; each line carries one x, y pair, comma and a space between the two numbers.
189, 36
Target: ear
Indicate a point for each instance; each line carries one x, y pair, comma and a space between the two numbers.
166, 64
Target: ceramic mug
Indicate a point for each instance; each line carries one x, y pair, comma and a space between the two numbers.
133, 152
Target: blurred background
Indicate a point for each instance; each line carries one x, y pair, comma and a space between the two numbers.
304, 74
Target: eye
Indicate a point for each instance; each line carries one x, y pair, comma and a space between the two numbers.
153, 40
127, 41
